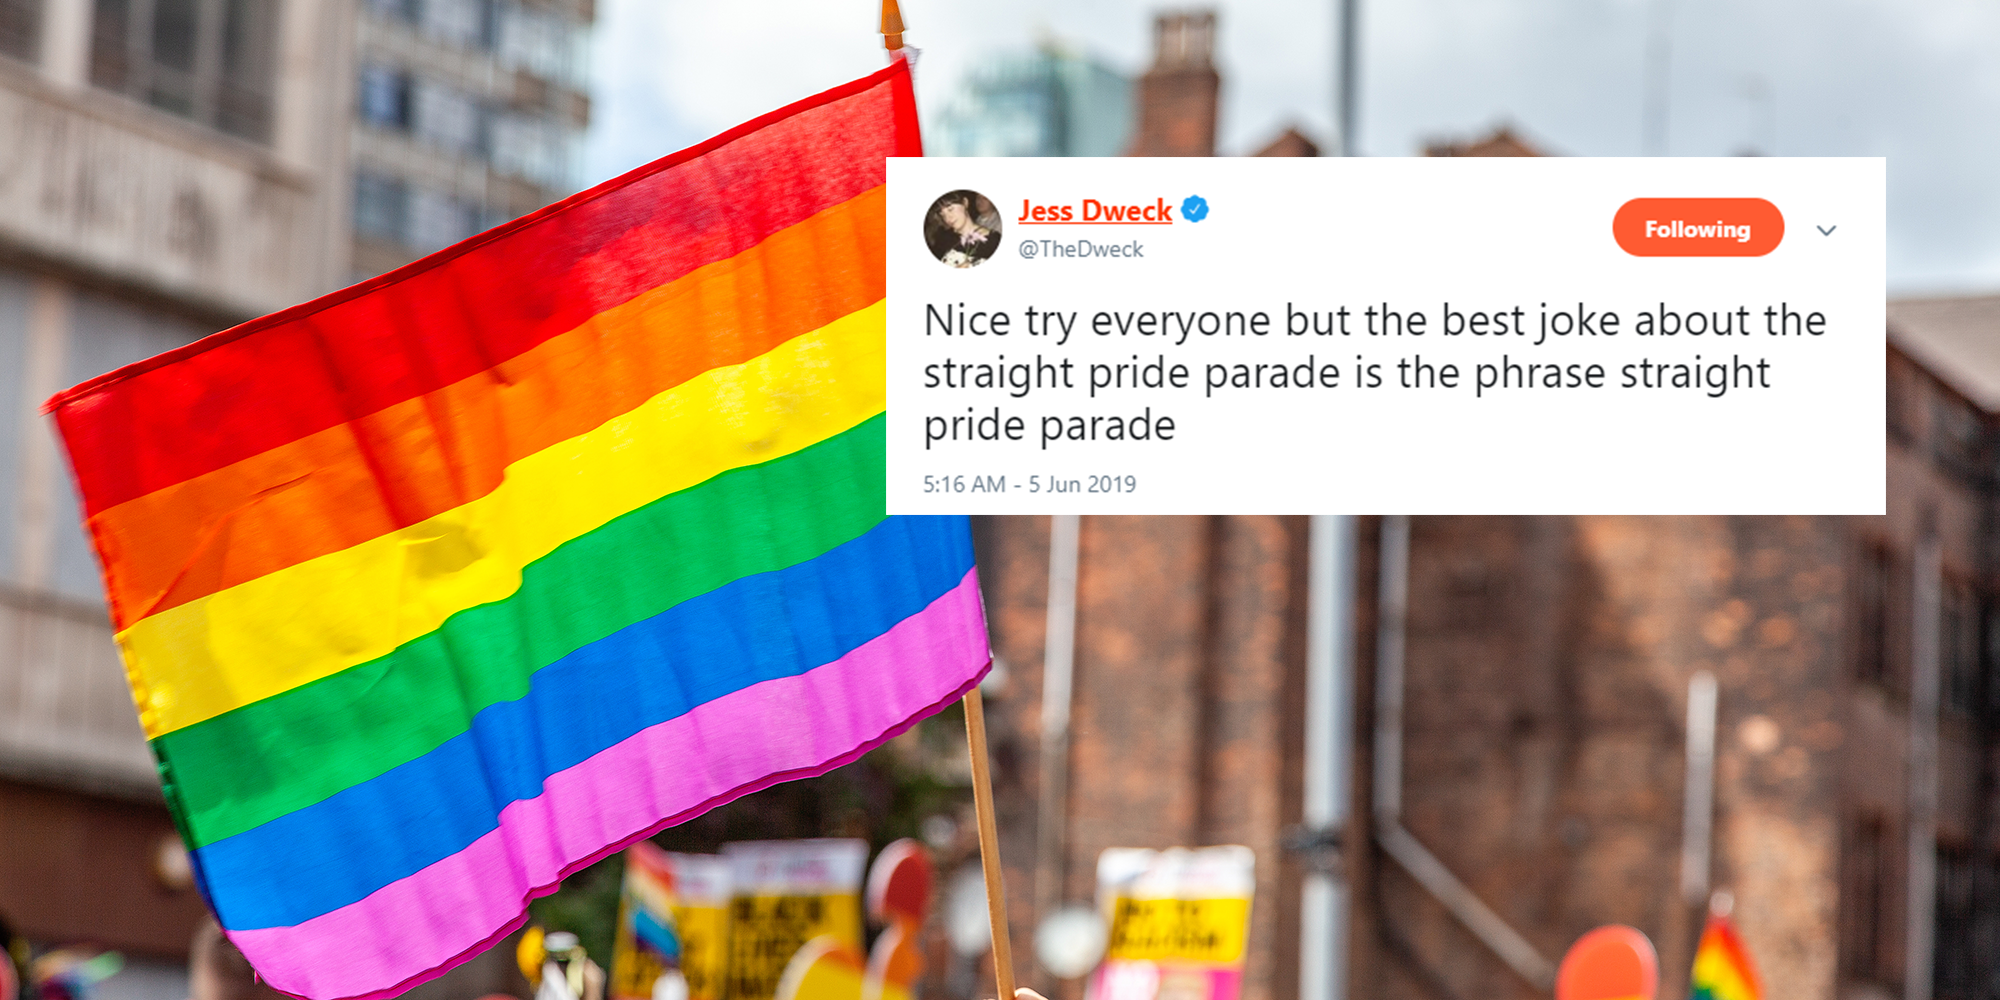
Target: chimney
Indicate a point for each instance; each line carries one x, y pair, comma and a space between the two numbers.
1177, 96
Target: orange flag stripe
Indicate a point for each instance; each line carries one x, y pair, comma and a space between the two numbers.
322, 493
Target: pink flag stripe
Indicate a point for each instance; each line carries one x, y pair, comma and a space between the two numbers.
793, 727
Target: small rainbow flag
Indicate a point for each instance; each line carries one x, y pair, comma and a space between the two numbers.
1722, 966
439, 588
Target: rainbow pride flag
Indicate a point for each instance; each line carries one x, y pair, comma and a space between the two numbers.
1722, 966
436, 589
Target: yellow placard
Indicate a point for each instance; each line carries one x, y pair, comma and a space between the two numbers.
1193, 930
766, 931
704, 949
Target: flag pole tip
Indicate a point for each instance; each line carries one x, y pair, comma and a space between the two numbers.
892, 25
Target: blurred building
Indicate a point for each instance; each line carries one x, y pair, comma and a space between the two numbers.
167, 168
1058, 103
170, 168
1543, 722
1290, 142
1930, 684
1545, 737
1502, 141
468, 113
1054, 102
1542, 719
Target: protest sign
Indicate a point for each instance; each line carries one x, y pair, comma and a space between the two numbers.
701, 911
1178, 922
783, 894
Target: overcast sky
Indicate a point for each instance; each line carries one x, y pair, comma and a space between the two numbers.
1917, 81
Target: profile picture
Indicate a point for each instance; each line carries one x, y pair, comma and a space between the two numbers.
962, 228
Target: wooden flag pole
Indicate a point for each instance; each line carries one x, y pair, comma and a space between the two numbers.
975, 728
989, 843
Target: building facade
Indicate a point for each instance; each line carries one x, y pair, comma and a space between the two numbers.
1054, 102
1543, 728
467, 113
1539, 737
168, 168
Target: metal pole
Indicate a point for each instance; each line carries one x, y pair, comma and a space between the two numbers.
1058, 692
1329, 734
1698, 805
1659, 65
1347, 99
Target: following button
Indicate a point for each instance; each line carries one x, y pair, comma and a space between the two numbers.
1698, 227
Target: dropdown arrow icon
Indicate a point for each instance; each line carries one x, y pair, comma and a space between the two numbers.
1826, 230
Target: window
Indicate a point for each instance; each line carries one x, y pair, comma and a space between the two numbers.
1904, 400
539, 41
437, 220
465, 23
380, 206
17, 295
20, 28
1864, 896
538, 151
208, 60
1992, 648
1872, 614
385, 97
1958, 646
439, 115
243, 94
393, 211
1958, 435
173, 41
447, 118
1964, 959
400, 10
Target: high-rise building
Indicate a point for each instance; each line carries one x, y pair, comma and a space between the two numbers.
168, 168
1053, 102
467, 114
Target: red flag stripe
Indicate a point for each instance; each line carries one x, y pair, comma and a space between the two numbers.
461, 311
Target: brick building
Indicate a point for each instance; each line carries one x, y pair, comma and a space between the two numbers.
1547, 667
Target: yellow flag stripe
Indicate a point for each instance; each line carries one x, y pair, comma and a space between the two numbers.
313, 619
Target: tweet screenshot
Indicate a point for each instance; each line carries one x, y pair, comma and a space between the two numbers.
1430, 336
